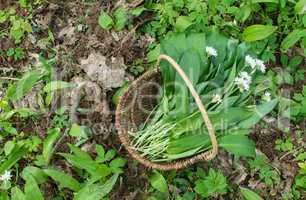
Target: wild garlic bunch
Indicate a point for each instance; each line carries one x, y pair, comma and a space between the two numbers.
222, 71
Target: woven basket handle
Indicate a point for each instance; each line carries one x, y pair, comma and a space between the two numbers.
198, 101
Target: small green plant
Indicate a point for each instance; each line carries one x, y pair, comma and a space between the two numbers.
284, 145
213, 185
266, 173
19, 26
16, 53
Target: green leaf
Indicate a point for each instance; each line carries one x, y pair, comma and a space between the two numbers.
105, 21
182, 23
292, 38
64, 180
259, 112
8, 147
49, 142
258, 32
137, 11
213, 184
265, 1
239, 145
82, 160
153, 54
158, 182
120, 18
24, 85
17, 194
118, 162
22, 3
57, 85
77, 131
299, 7
13, 158
249, 194
36, 172
32, 190
96, 191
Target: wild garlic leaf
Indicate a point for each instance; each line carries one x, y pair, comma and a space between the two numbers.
158, 182
17, 194
258, 32
64, 180
24, 85
48, 146
239, 145
31, 189
249, 194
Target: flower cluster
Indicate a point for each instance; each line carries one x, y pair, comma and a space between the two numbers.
254, 63
211, 51
243, 81
6, 176
267, 96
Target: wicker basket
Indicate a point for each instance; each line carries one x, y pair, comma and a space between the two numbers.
135, 105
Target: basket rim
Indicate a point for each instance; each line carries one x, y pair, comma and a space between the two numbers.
126, 142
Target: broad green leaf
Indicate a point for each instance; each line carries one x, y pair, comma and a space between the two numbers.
24, 85
259, 112
82, 160
36, 172
187, 143
32, 190
57, 85
191, 65
13, 158
265, 1
17, 194
4, 195
158, 182
64, 180
292, 38
77, 131
239, 145
8, 147
120, 18
105, 21
96, 191
118, 162
300, 7
249, 194
48, 147
257, 32
182, 23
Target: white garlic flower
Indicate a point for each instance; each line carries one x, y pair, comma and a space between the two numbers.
211, 51
255, 63
216, 99
261, 65
267, 96
243, 81
250, 61
6, 176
